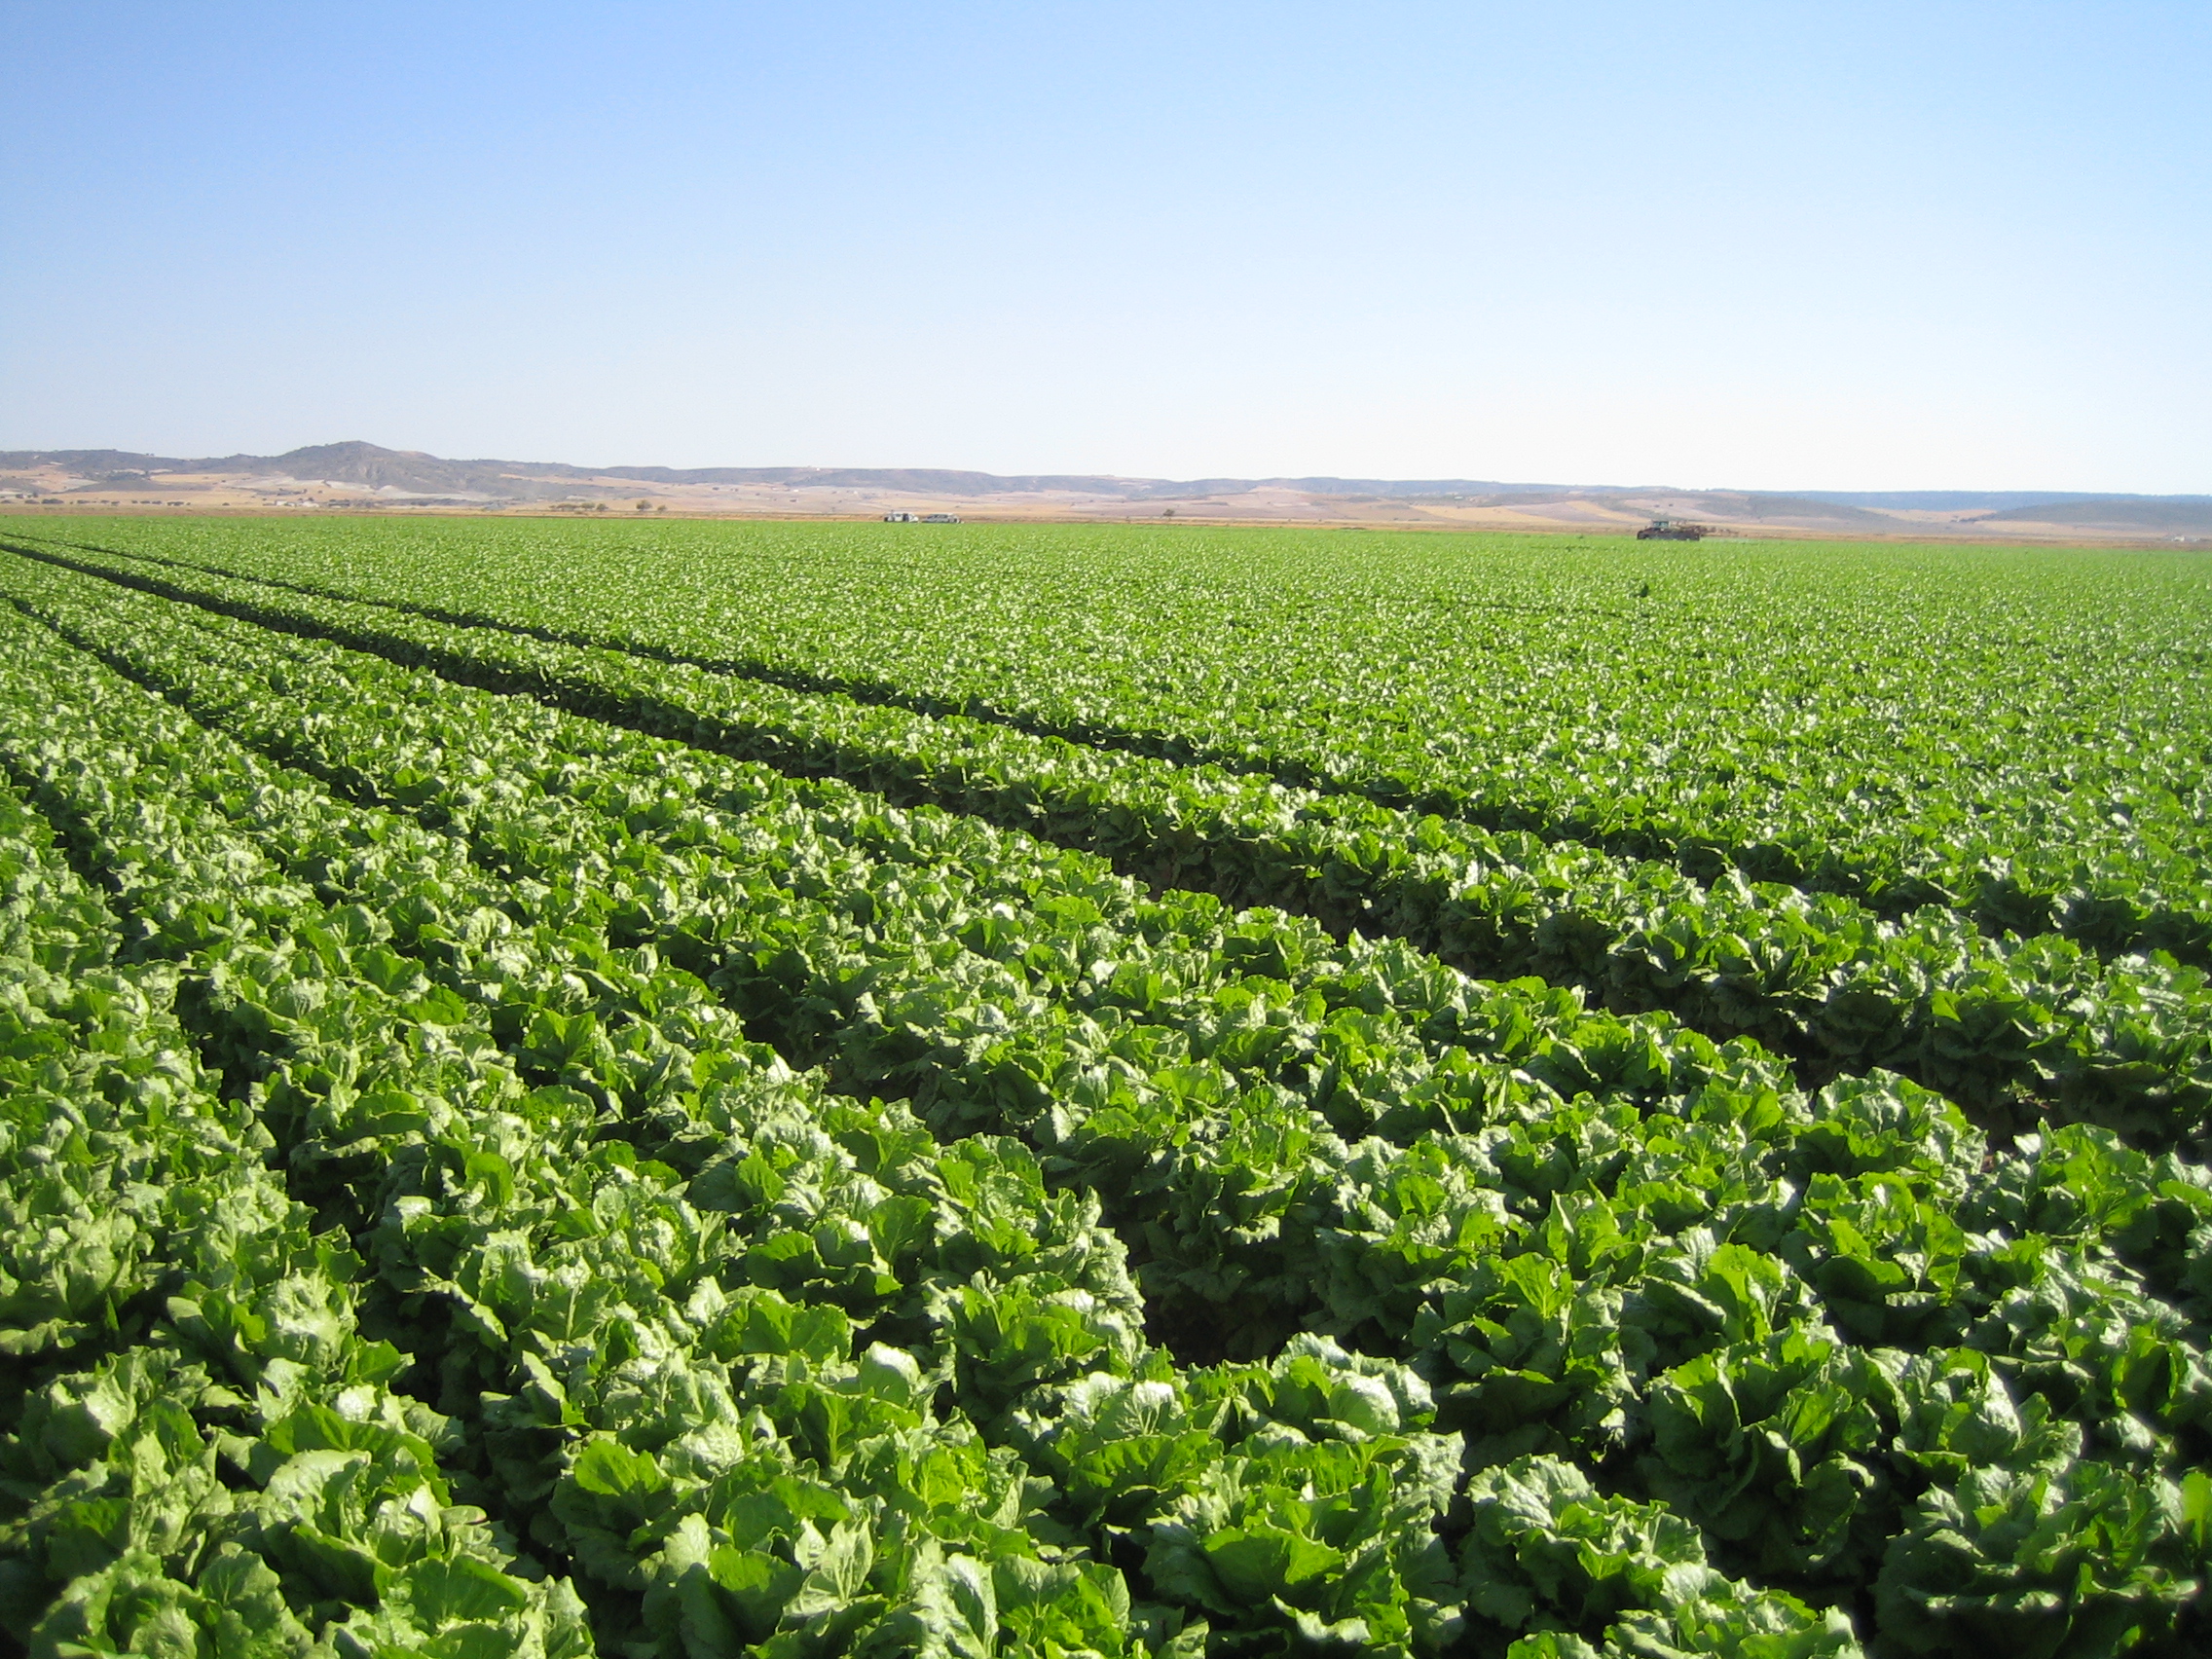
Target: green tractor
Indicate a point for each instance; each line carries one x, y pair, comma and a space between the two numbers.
1673, 529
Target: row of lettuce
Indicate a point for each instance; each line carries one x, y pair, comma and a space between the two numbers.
1587, 1304
1996, 731
203, 1451
1997, 1023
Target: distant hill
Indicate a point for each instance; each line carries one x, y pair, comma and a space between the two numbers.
92, 463
2180, 515
375, 467
366, 466
1758, 507
412, 477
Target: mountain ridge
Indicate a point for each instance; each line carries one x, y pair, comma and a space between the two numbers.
416, 471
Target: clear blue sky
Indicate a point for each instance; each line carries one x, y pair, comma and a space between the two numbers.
1775, 245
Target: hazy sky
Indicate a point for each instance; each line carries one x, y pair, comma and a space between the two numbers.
1777, 245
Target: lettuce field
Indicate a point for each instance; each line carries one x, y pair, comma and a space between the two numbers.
693, 1089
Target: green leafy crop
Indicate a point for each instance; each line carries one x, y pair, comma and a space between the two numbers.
782, 1098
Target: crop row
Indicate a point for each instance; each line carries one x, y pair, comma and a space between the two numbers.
1822, 980
2048, 773
198, 1436
1595, 1282
521, 1251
